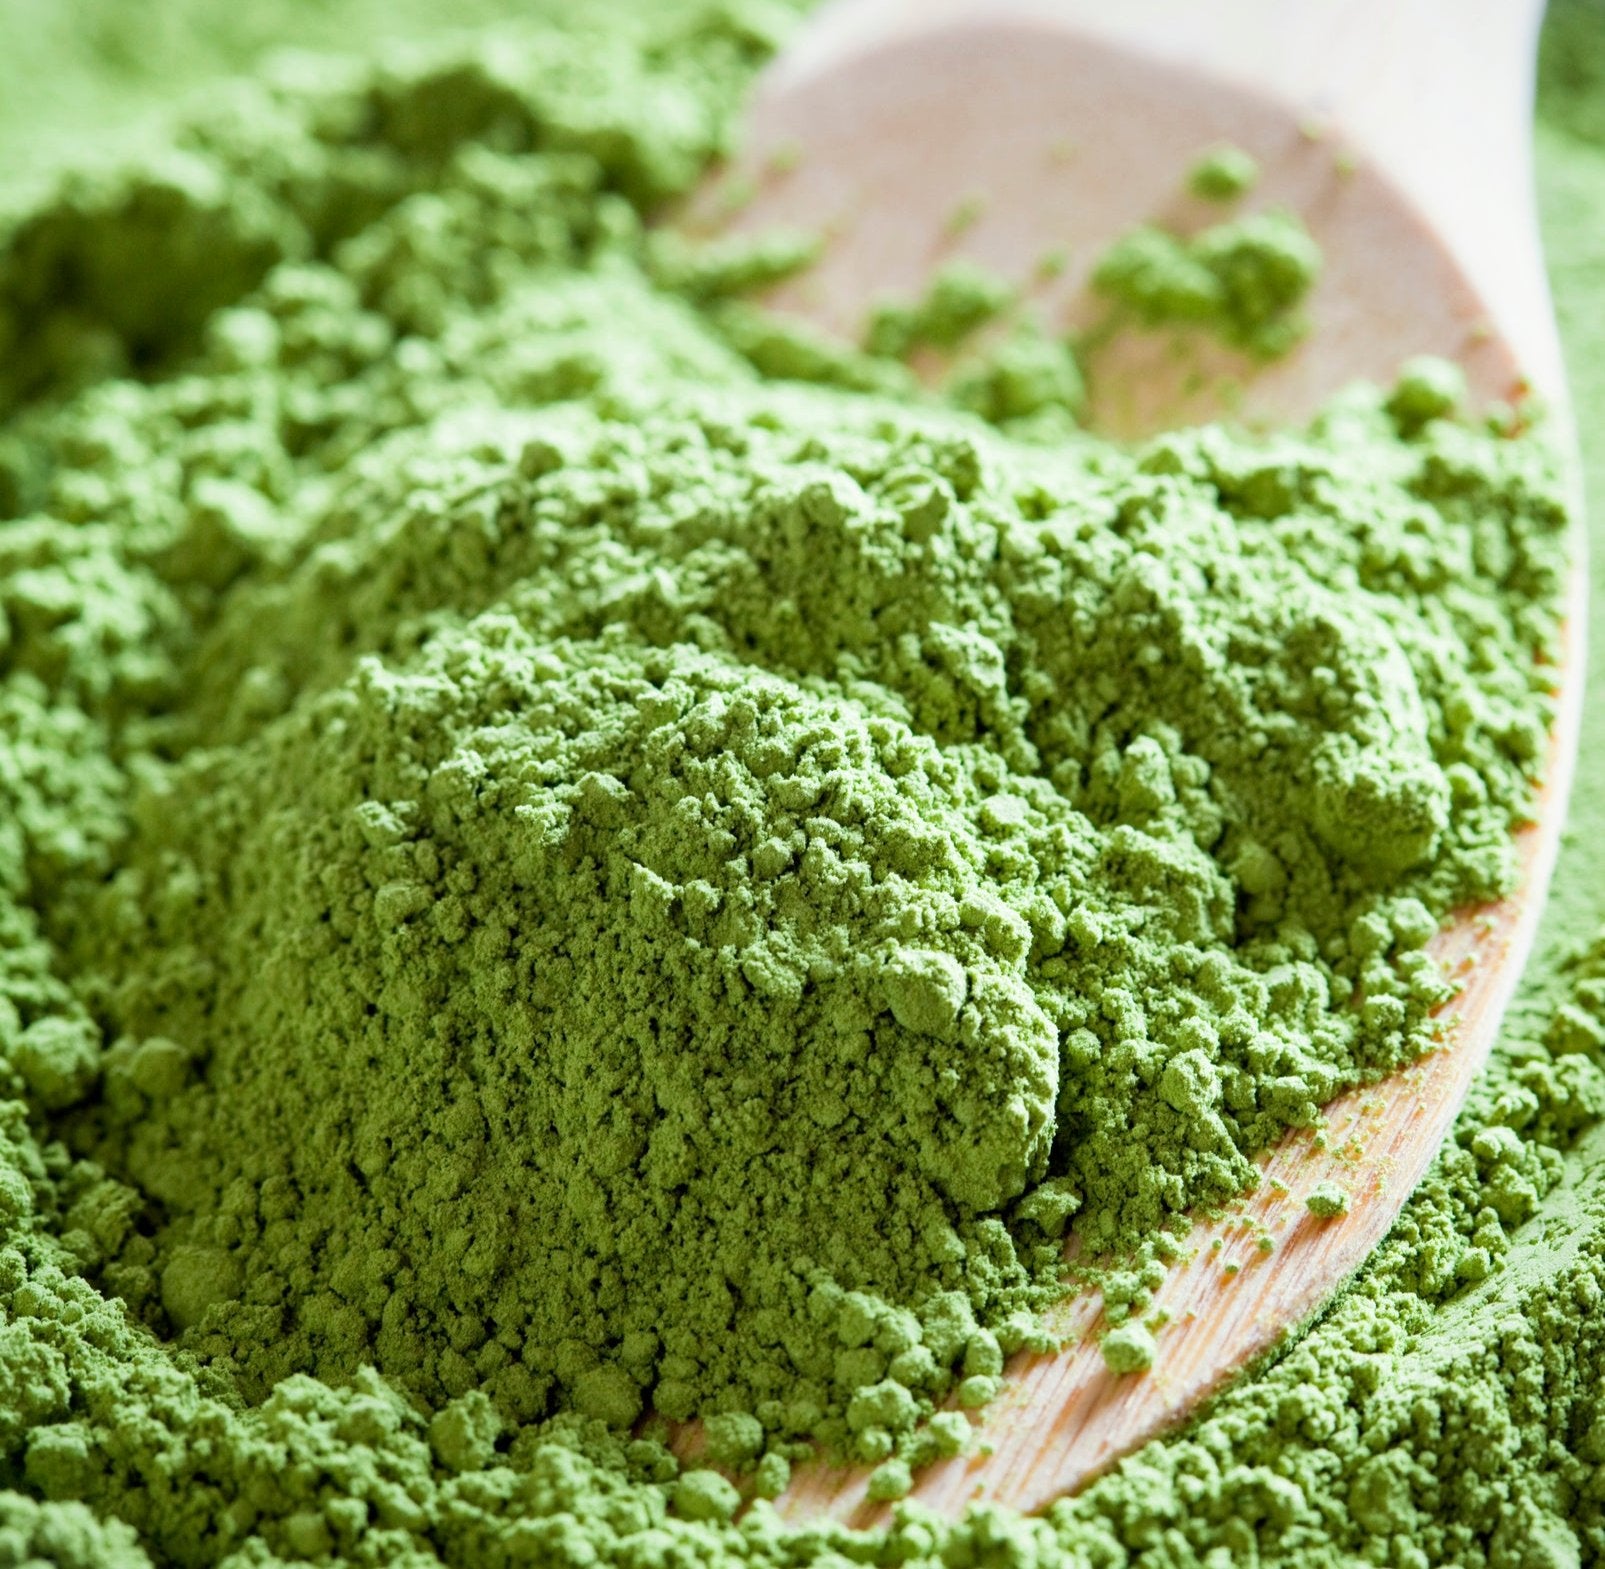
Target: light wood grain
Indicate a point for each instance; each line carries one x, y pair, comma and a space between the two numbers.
906, 105
1400, 131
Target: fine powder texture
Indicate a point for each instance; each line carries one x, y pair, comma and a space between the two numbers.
534, 1005
547, 864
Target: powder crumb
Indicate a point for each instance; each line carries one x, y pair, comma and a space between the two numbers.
977, 1390
705, 1496
1223, 174
1242, 280
950, 1432
58, 1060
463, 1433
735, 1438
961, 298
772, 1476
1328, 1201
888, 1481
1428, 388
1129, 1348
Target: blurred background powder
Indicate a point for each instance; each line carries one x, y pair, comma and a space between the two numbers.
81, 77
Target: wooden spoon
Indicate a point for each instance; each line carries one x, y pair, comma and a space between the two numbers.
912, 131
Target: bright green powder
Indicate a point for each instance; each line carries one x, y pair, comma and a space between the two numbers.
551, 866
1223, 174
1242, 280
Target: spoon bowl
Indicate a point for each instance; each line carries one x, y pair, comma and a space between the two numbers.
911, 132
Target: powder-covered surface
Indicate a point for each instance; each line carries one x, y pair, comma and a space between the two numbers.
374, 651
774, 847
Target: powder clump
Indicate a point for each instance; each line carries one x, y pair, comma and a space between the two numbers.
1129, 1348
1223, 174
1328, 1201
1242, 280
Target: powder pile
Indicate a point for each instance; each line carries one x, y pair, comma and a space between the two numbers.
551, 869
565, 970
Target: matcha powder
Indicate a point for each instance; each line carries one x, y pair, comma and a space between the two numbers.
572, 855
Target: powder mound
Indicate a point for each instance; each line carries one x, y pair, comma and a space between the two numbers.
542, 962
680, 934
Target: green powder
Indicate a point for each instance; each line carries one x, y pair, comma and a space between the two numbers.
961, 298
595, 851
1242, 280
1129, 1348
542, 862
1022, 375
1223, 174
1328, 1201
